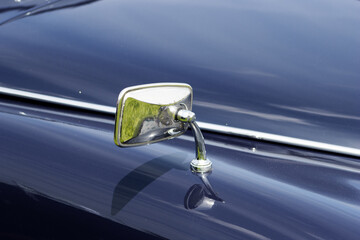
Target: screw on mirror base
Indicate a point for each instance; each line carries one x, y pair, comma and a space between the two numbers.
201, 166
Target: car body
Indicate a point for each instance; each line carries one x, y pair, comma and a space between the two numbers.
276, 93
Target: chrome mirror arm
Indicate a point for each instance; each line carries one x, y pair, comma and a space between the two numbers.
199, 141
200, 163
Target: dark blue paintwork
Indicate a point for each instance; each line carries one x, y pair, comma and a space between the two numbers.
59, 156
283, 67
31, 215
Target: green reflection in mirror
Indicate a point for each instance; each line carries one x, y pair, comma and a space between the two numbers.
135, 114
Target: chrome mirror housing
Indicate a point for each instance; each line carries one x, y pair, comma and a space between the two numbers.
146, 113
155, 112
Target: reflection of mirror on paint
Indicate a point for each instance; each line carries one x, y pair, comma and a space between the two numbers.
200, 197
139, 178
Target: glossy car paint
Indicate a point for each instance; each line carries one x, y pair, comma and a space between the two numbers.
289, 68
282, 67
60, 157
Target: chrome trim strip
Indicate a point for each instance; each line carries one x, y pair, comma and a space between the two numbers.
279, 139
203, 125
58, 100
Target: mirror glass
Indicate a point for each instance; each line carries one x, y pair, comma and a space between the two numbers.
145, 113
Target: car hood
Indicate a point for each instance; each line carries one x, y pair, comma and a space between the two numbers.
287, 68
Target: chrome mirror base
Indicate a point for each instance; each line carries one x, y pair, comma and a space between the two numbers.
201, 166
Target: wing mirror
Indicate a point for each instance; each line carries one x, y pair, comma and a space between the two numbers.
155, 112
